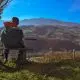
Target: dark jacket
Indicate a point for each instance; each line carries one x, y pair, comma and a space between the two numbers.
12, 37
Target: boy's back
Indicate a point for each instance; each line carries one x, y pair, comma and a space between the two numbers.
11, 37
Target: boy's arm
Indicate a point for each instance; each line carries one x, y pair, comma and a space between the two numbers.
22, 34
2, 32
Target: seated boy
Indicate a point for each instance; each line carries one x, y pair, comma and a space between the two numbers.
12, 36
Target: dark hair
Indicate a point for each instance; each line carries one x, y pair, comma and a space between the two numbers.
16, 20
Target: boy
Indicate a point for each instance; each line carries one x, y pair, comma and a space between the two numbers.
12, 36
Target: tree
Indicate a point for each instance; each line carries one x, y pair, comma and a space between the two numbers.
3, 4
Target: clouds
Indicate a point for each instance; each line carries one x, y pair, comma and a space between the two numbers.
75, 6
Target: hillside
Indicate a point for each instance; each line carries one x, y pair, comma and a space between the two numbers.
50, 33
49, 36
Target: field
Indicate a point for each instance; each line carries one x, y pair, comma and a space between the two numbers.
57, 66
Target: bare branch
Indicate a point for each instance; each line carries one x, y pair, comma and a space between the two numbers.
3, 4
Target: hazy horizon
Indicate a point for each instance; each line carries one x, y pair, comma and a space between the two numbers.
39, 18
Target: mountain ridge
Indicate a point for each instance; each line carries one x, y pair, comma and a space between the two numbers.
46, 21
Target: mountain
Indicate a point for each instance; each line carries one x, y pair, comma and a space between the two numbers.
50, 34
44, 21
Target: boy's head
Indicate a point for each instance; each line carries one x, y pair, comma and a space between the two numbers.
14, 23
15, 20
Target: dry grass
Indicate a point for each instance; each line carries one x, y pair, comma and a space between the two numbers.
57, 56
53, 66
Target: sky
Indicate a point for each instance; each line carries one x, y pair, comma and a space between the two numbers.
64, 10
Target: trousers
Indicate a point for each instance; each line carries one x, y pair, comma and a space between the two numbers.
7, 49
